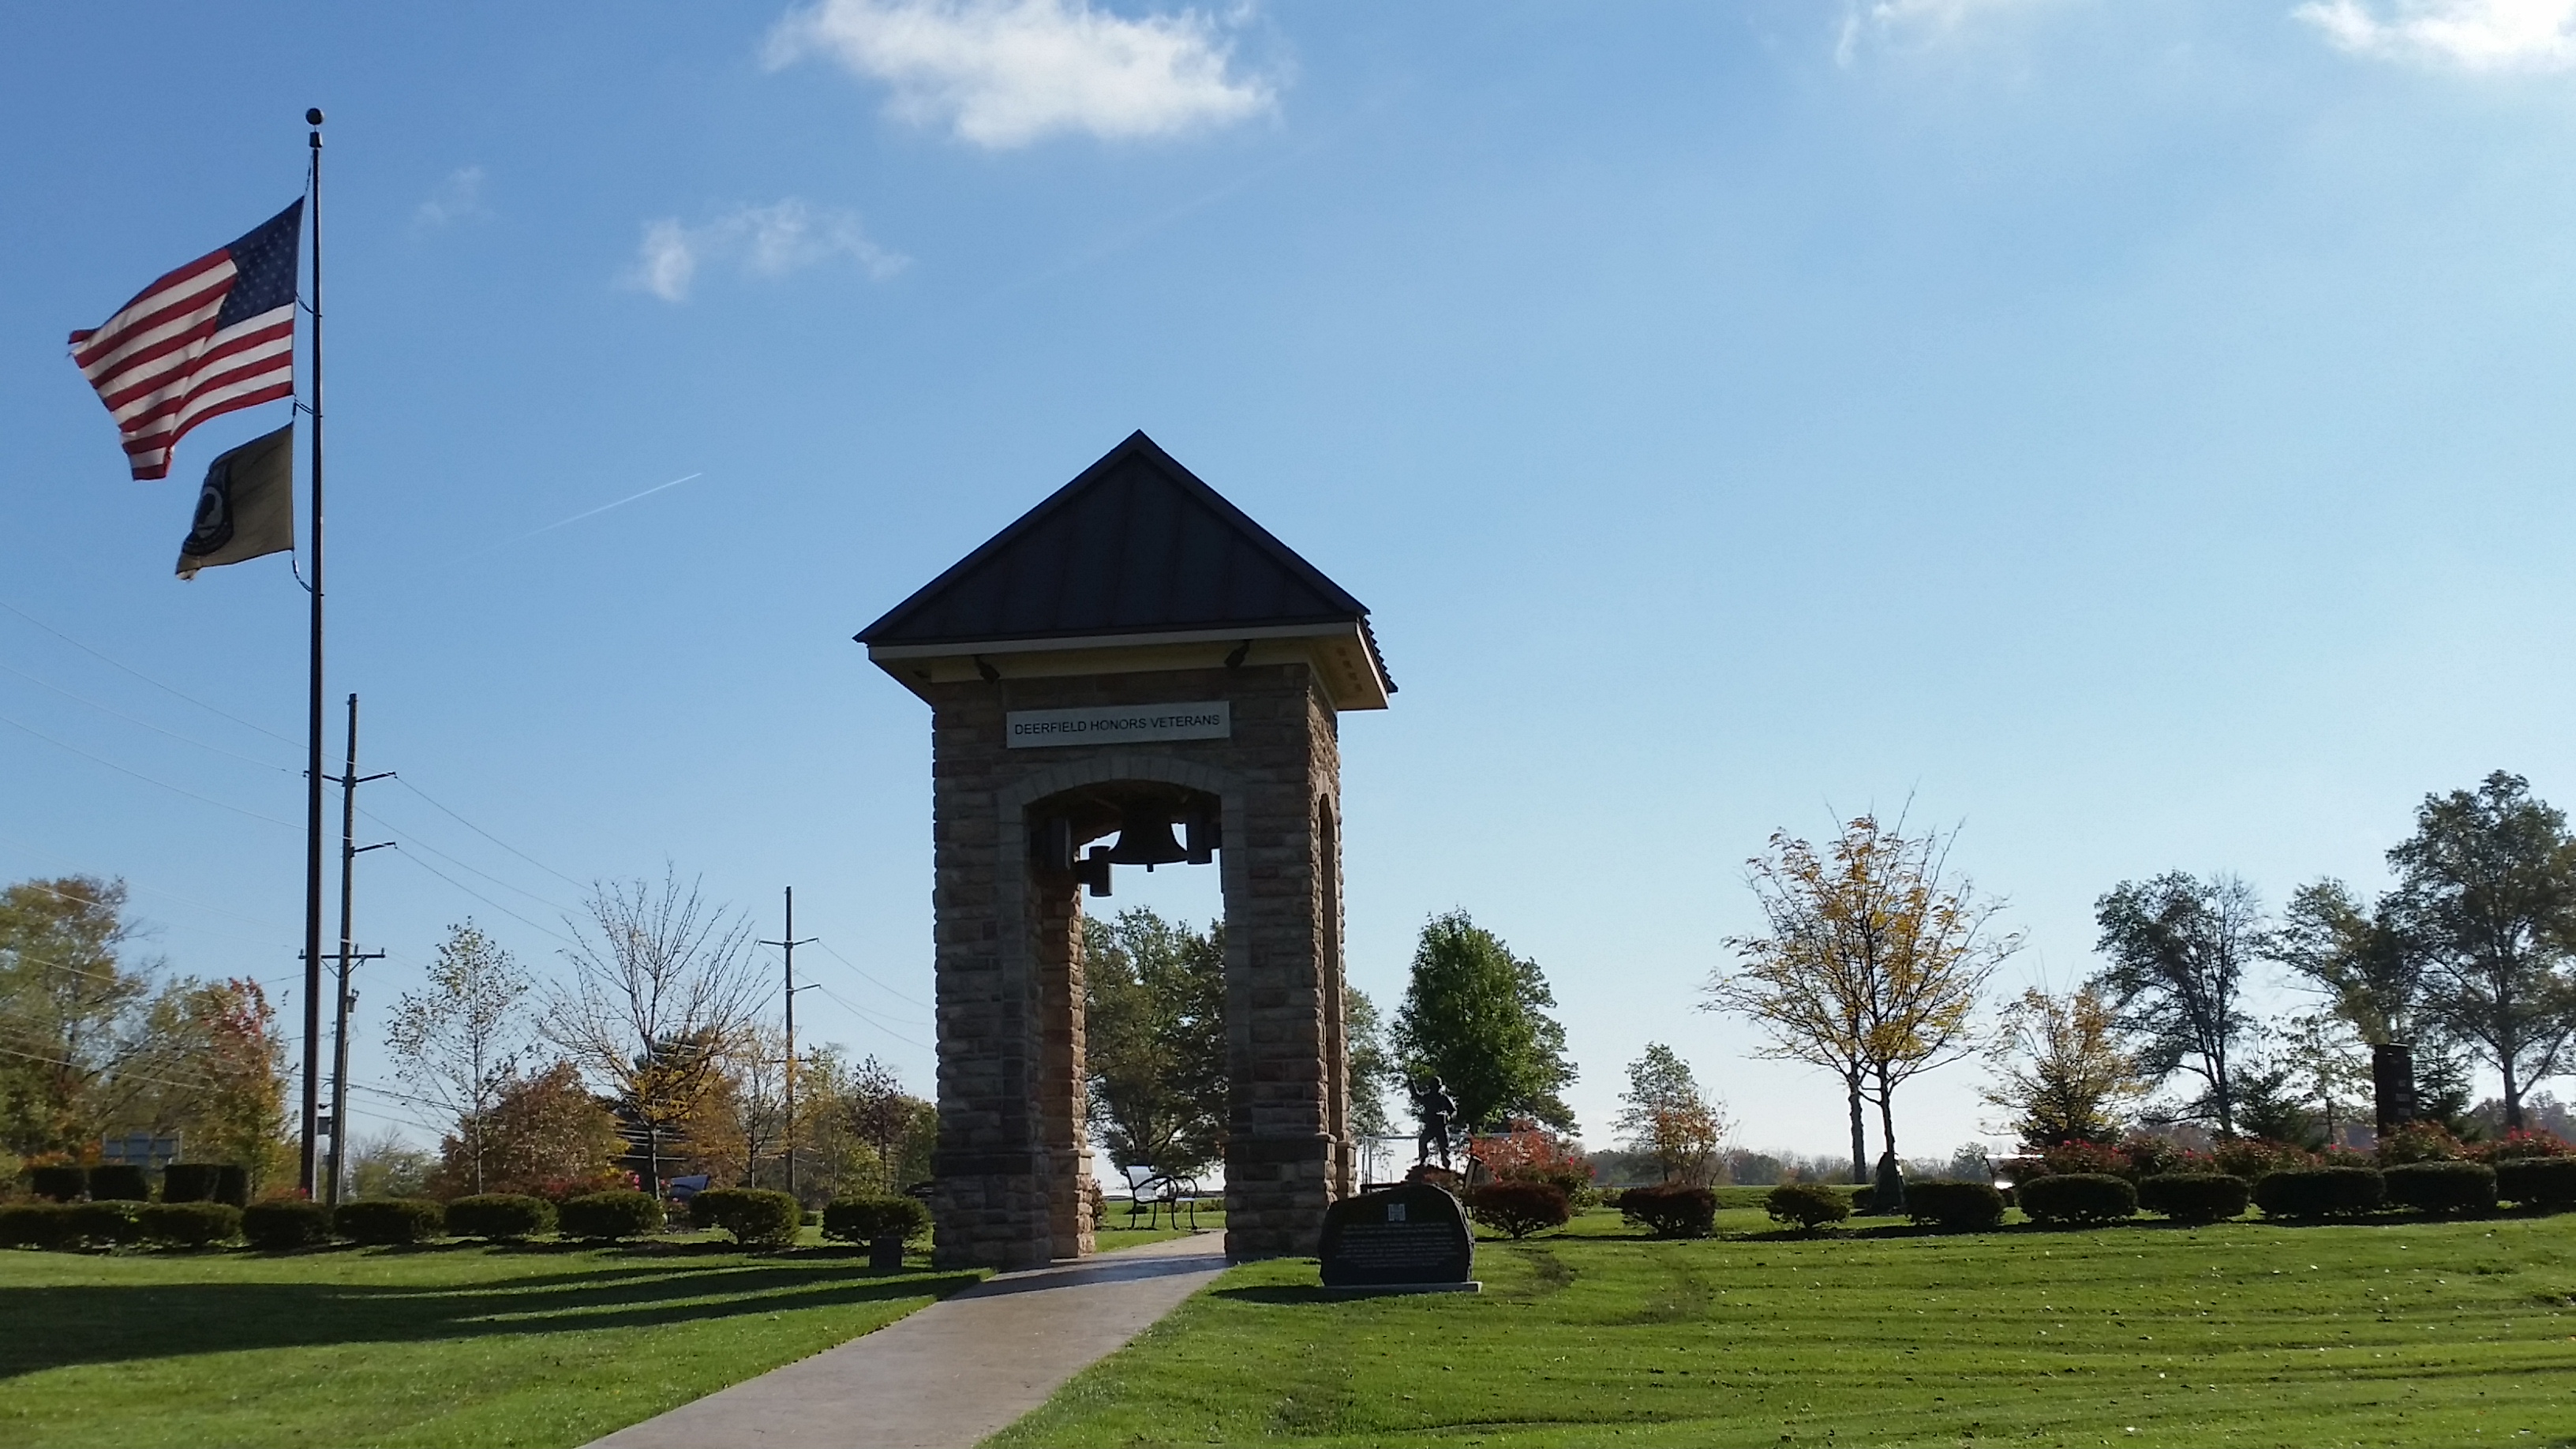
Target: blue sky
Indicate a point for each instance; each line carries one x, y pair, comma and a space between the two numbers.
2136, 433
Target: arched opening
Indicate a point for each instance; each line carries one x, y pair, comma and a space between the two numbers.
1150, 828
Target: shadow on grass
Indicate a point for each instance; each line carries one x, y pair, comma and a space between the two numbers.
1288, 1293
59, 1326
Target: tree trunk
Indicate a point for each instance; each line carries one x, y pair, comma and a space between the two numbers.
653, 1159
1887, 1115
1860, 1134
2512, 1094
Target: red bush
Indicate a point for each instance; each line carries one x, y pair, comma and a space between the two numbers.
2067, 1158
2251, 1157
2521, 1143
1528, 1152
2420, 1142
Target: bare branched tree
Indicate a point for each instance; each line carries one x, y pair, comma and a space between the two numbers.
460, 1041
661, 993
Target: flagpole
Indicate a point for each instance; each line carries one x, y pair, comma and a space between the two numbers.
313, 720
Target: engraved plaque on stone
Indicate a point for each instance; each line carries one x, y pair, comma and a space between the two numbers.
1414, 1235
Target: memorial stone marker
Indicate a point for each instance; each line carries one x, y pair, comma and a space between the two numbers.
1409, 1238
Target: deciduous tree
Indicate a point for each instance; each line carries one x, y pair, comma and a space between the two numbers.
661, 989
546, 1133
71, 1012
2178, 948
1477, 1017
2487, 888
899, 1129
1666, 1116
1154, 1040
459, 1041
1372, 1066
1872, 963
2060, 1069
213, 1069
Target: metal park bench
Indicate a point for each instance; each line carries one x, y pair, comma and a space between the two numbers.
1151, 1192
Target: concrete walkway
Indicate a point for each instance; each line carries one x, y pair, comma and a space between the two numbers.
953, 1373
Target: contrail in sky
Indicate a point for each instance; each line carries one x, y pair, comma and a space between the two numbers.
593, 513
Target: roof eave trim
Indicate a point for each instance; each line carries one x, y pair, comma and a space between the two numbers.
952, 649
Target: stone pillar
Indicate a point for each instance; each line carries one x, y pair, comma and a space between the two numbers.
2392, 1083
1014, 1162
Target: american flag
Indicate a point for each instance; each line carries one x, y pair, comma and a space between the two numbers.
215, 335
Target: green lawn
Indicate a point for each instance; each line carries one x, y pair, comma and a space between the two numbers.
2402, 1333
463, 1345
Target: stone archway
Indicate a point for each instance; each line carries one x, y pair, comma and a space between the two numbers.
1132, 644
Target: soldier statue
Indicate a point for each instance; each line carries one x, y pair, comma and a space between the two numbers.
1433, 1104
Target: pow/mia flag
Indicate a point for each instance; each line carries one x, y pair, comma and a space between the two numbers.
247, 506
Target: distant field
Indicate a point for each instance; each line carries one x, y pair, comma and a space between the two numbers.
2396, 1333
448, 1345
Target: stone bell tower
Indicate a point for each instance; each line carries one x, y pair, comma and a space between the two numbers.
1133, 654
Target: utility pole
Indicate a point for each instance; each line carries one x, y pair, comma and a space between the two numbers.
348, 780
787, 948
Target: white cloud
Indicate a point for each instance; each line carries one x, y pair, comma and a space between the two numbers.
1005, 73
765, 241
2483, 35
1878, 19
458, 198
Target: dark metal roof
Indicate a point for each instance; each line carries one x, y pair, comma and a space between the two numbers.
1136, 545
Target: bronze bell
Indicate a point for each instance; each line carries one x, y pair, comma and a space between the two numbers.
1145, 837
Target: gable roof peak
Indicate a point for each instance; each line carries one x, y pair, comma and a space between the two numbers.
1136, 544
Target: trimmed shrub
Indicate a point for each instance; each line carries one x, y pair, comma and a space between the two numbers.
61, 1182
1958, 1207
756, 1217
2158, 1157
286, 1222
2251, 1157
2541, 1182
1805, 1205
2068, 1159
388, 1221
108, 1223
1669, 1211
2441, 1187
2195, 1197
501, 1216
2079, 1197
222, 1182
2420, 1142
1861, 1198
119, 1181
619, 1213
189, 1182
1519, 1209
2519, 1143
31, 1224
871, 1219
189, 1224
2319, 1192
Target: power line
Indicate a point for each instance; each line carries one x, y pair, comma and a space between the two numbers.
147, 724
872, 981
487, 900
147, 779
147, 890
496, 840
414, 840
139, 674
863, 1013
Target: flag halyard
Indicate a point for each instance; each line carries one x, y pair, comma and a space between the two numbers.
207, 338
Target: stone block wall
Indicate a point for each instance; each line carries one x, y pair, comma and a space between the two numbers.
1013, 1167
